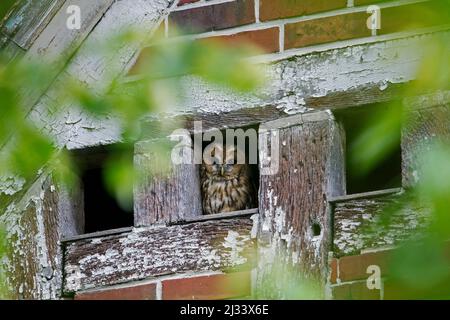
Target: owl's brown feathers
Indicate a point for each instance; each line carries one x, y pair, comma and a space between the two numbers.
226, 184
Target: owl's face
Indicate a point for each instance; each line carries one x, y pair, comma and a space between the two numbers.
222, 164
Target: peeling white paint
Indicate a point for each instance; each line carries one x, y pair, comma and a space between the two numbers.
10, 185
236, 243
46, 281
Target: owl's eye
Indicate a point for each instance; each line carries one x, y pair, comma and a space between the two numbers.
228, 167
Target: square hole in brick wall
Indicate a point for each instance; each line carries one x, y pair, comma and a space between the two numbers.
363, 124
229, 175
101, 209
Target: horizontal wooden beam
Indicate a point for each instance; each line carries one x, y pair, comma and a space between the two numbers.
98, 234
365, 195
375, 221
364, 95
220, 216
143, 253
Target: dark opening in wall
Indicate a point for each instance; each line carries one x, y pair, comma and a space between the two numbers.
102, 211
244, 139
375, 125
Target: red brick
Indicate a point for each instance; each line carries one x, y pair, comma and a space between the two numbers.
266, 39
329, 29
333, 270
355, 267
414, 16
271, 9
214, 17
354, 291
214, 287
183, 2
136, 292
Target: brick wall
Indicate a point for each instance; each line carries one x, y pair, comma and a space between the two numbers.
212, 286
277, 26
348, 276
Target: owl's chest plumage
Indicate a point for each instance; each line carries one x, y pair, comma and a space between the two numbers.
226, 195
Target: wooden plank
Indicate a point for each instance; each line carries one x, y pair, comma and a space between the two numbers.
296, 81
33, 265
219, 216
427, 120
71, 208
225, 215
164, 196
27, 20
152, 252
22, 257
56, 44
98, 234
9, 49
97, 72
365, 195
363, 95
370, 223
295, 227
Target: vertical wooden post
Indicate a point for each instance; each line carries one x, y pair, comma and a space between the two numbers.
164, 196
295, 224
34, 260
427, 119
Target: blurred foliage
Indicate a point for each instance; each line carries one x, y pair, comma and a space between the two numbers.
158, 89
5, 7
28, 151
287, 282
420, 267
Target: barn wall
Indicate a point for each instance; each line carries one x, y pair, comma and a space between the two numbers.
298, 66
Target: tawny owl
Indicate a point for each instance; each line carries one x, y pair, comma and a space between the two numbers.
226, 184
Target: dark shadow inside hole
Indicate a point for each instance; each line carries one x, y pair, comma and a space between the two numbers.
102, 211
385, 173
316, 229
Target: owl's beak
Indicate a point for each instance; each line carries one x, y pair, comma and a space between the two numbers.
221, 170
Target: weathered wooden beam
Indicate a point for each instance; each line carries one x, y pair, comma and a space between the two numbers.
295, 227
224, 215
33, 262
427, 120
165, 192
354, 97
9, 49
367, 222
293, 80
365, 195
56, 43
27, 20
97, 72
152, 252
